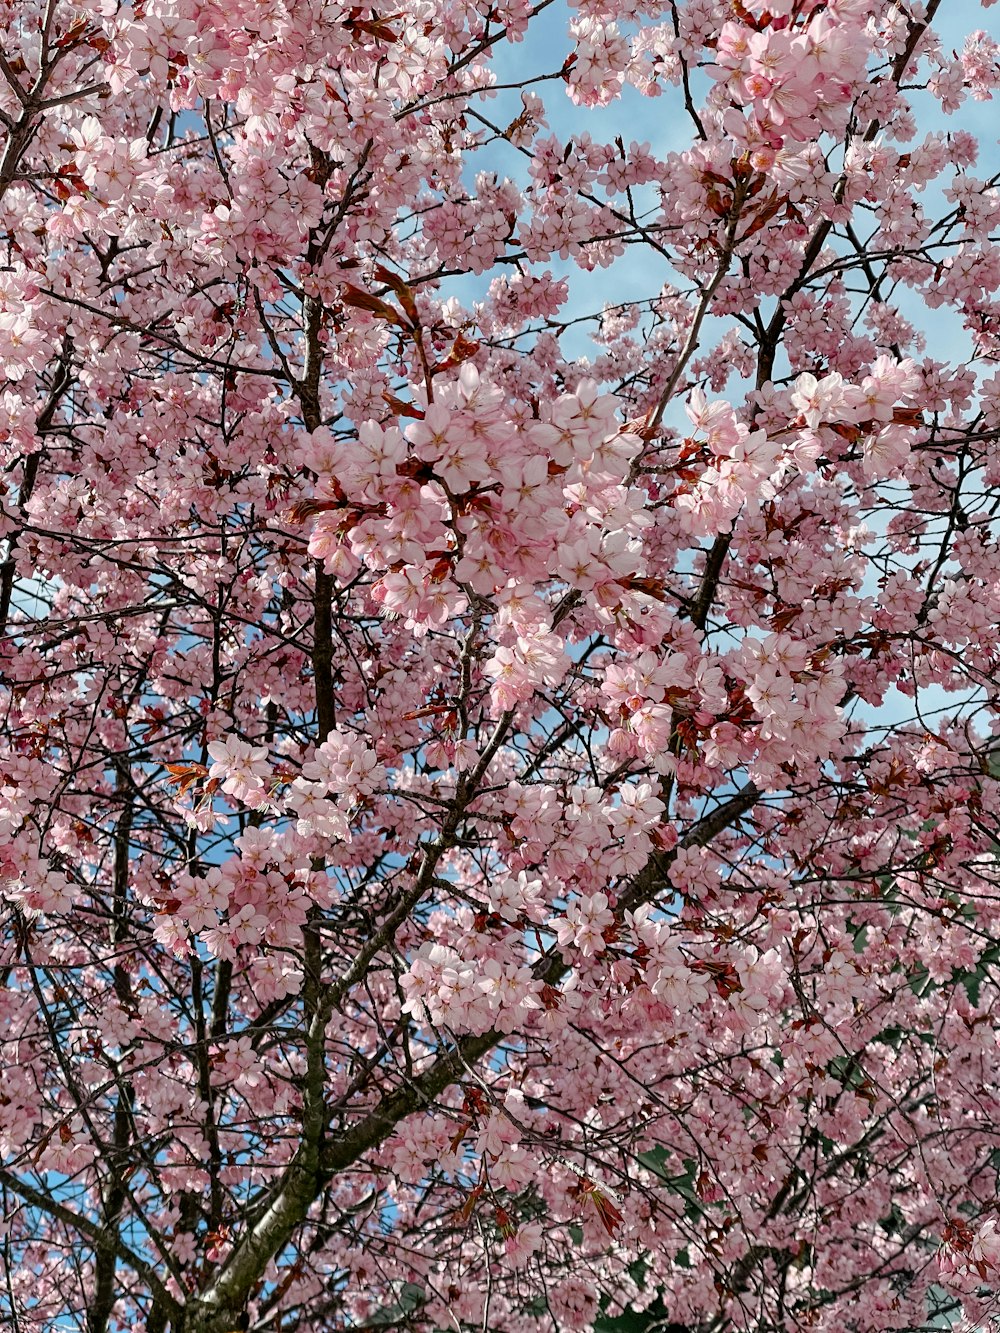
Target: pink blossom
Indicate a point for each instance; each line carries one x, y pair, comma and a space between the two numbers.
241, 768
584, 924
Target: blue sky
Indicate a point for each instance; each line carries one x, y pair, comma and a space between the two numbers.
640, 273
662, 122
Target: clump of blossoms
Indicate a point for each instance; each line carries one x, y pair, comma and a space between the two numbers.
498, 784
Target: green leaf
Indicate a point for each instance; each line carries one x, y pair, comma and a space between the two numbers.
920, 980
654, 1317
632, 1321
847, 1068
891, 1036
411, 1298
656, 1160
637, 1272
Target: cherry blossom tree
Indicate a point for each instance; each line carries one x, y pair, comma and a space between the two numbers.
499, 786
